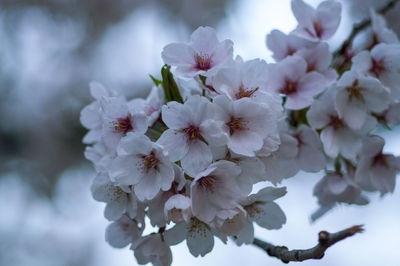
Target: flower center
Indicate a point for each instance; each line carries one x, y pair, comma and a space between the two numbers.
150, 161
355, 92
206, 183
123, 125
245, 93
254, 208
318, 29
192, 132
236, 124
377, 67
380, 158
336, 122
289, 88
203, 61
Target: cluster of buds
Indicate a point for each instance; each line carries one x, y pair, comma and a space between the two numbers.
188, 155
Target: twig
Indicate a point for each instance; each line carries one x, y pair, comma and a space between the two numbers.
361, 26
325, 240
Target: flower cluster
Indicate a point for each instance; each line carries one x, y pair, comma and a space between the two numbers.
188, 155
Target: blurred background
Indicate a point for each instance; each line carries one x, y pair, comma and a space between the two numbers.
49, 52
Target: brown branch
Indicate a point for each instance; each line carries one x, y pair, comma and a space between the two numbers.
325, 240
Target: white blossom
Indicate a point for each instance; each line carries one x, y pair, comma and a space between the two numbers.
142, 164
190, 131
376, 170
316, 24
202, 55
290, 78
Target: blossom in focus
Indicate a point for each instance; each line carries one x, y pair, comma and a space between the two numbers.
290, 77
202, 55
142, 164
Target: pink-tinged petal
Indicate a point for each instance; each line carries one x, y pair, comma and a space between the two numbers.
353, 114
294, 67
227, 81
92, 136
349, 143
148, 187
188, 71
372, 145
278, 169
312, 84
320, 112
297, 101
318, 58
175, 143
204, 40
362, 62
223, 53
330, 142
200, 240
102, 188
309, 136
126, 170
201, 207
135, 143
139, 123
303, 12
245, 143
197, 107
197, 158
114, 107
383, 178
277, 42
328, 15
212, 132
90, 116
177, 54
175, 115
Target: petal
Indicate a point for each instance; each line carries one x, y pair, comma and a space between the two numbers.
197, 158
200, 240
115, 209
178, 54
148, 187
175, 143
270, 216
204, 40
175, 115
245, 143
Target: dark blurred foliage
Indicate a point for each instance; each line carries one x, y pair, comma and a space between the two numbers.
47, 53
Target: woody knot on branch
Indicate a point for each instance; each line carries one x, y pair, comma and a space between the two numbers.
325, 240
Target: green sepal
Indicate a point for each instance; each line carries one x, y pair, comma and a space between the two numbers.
171, 90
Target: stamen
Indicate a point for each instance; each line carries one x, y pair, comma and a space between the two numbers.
289, 88
336, 122
123, 125
236, 124
192, 132
150, 161
377, 68
355, 92
203, 61
206, 183
242, 93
